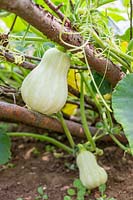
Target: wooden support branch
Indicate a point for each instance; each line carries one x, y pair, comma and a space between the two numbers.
10, 58
17, 114
56, 10
52, 27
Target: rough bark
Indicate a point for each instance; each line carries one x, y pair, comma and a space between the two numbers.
51, 27
18, 114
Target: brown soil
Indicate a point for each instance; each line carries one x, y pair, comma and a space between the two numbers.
31, 166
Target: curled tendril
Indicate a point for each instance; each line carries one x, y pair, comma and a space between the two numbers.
18, 59
70, 45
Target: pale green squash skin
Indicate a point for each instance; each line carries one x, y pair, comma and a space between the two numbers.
90, 173
45, 88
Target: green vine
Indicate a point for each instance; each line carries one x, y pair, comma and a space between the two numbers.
67, 132
42, 138
83, 117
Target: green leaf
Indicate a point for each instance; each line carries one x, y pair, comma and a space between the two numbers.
103, 85
80, 198
116, 16
102, 188
3, 127
67, 198
45, 196
77, 183
126, 35
40, 190
130, 45
71, 192
122, 104
5, 146
126, 3
81, 193
37, 198
19, 26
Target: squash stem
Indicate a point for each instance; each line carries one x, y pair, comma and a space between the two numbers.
109, 119
120, 144
67, 132
112, 136
42, 138
92, 93
83, 117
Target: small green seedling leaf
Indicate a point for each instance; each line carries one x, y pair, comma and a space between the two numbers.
37, 198
40, 190
49, 148
80, 198
45, 196
71, 192
81, 194
77, 183
67, 198
70, 166
102, 189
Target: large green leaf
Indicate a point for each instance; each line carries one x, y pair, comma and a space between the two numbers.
103, 85
5, 145
126, 3
122, 104
126, 35
18, 27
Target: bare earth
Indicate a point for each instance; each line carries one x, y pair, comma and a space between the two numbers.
28, 170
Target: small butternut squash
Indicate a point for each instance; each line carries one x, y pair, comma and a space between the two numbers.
90, 173
45, 88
